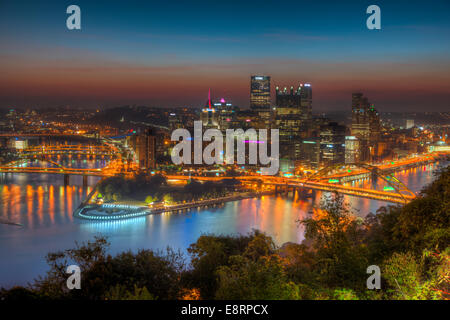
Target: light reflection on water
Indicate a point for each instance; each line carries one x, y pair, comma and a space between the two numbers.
44, 206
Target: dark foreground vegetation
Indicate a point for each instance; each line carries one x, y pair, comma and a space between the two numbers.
410, 244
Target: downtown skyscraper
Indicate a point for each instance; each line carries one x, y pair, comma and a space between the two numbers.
292, 116
365, 125
260, 93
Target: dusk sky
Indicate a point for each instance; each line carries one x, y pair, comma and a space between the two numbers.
168, 53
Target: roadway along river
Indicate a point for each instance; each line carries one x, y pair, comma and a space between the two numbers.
44, 207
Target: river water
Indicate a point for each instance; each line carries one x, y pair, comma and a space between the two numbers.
44, 206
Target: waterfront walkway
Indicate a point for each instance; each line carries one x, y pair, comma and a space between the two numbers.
99, 212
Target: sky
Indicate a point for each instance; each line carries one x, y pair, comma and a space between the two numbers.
169, 53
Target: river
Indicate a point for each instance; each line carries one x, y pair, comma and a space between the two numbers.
44, 206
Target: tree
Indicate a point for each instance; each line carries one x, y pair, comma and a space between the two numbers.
336, 235
208, 253
168, 198
424, 223
408, 278
260, 279
19, 294
147, 274
121, 293
194, 187
157, 180
149, 199
85, 255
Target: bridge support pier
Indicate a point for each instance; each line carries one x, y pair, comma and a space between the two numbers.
66, 180
294, 190
305, 193
85, 181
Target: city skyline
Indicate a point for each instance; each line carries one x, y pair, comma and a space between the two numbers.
168, 55
217, 151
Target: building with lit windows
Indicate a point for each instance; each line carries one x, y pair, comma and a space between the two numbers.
209, 116
225, 114
260, 101
306, 102
260, 92
366, 126
144, 147
292, 116
332, 143
351, 150
310, 153
287, 119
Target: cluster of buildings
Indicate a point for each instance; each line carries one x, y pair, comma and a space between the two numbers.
306, 142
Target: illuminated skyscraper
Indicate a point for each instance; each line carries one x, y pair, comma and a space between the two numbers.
360, 119
225, 114
288, 121
365, 126
293, 118
144, 146
260, 92
306, 102
209, 115
332, 143
351, 149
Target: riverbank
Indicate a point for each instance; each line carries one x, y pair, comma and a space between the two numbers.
118, 210
5, 221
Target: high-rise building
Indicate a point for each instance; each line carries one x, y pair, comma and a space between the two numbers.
366, 126
144, 146
260, 92
409, 123
225, 114
360, 120
332, 143
260, 101
208, 115
306, 102
292, 116
288, 121
351, 150
175, 121
310, 153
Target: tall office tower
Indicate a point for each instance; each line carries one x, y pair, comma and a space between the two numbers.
366, 126
260, 100
288, 121
260, 92
332, 143
351, 150
360, 119
208, 115
306, 101
225, 114
374, 125
175, 121
144, 146
310, 153
288, 99
409, 123
293, 117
